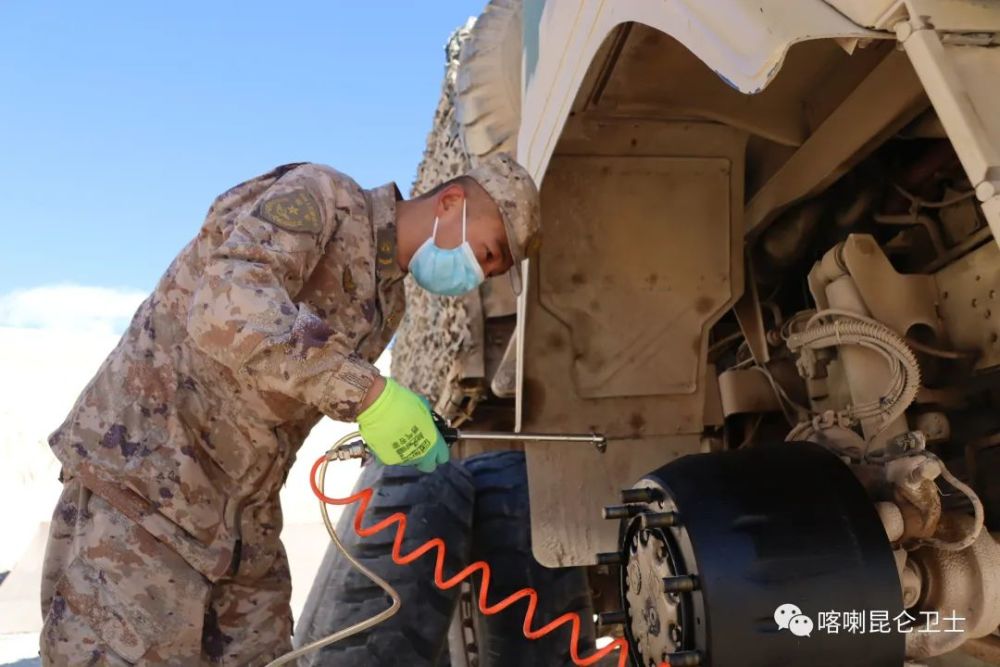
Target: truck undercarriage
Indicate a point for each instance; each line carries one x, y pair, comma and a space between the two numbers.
776, 293
810, 264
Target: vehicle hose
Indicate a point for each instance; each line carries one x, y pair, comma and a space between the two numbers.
978, 514
851, 329
320, 468
317, 481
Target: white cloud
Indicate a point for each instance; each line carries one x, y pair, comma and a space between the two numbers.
75, 308
41, 374
52, 340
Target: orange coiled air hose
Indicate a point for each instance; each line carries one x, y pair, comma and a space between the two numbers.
363, 498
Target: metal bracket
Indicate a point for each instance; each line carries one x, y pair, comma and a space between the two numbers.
947, 44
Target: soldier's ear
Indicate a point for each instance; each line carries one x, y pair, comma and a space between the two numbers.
448, 199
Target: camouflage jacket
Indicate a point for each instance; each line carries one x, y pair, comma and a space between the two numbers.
268, 319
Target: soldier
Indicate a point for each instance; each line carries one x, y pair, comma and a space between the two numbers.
164, 545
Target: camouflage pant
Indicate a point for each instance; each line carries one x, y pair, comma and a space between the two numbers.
114, 595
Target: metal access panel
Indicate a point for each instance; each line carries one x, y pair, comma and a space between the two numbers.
641, 255
625, 262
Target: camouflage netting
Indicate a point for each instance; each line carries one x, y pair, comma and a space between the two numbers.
435, 330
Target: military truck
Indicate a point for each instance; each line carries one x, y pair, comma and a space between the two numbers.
769, 276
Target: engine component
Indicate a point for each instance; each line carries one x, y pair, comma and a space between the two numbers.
885, 405
861, 295
961, 584
969, 304
901, 301
754, 532
788, 238
934, 425
746, 390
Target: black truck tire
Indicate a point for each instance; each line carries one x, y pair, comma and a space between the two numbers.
437, 505
502, 538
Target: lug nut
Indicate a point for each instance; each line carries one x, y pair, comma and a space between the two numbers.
645, 494
622, 511
684, 583
660, 520
609, 558
684, 659
612, 618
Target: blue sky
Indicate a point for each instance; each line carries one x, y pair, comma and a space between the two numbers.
120, 121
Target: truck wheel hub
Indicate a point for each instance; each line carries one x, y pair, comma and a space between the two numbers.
654, 618
711, 546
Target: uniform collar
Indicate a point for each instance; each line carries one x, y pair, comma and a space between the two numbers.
383, 215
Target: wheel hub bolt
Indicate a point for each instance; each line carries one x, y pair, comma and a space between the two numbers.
684, 583
609, 558
643, 494
622, 511
612, 617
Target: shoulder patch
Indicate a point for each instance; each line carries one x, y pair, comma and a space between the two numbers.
385, 250
296, 211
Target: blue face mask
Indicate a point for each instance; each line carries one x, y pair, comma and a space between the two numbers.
446, 271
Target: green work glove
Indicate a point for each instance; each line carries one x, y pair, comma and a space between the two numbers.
431, 460
399, 429
439, 452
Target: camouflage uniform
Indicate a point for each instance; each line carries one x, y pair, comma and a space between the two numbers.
164, 545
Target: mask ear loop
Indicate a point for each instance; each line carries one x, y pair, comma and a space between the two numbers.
463, 220
434, 232
468, 249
